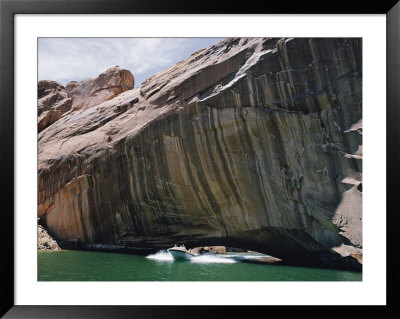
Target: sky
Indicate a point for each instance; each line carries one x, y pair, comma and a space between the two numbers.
75, 59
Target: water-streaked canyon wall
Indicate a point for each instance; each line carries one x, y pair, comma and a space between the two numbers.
254, 143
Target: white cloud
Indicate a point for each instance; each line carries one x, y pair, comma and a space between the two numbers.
67, 59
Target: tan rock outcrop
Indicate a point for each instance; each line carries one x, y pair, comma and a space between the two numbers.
252, 143
209, 249
54, 101
106, 86
45, 241
218, 250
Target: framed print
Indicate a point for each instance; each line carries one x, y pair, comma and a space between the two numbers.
187, 161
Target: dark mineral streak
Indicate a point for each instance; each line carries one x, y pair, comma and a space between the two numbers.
252, 143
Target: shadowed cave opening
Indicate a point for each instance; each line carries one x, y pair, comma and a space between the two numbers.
277, 250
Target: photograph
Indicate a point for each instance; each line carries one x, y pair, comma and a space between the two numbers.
170, 160
199, 159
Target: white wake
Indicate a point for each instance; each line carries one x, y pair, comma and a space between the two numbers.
208, 259
161, 255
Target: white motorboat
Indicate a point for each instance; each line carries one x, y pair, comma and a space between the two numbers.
180, 253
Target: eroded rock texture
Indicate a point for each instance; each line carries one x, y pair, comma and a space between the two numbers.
106, 86
252, 143
53, 102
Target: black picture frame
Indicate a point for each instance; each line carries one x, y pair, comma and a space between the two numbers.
8, 8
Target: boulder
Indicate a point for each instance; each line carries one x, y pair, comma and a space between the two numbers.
45, 241
106, 86
209, 249
218, 250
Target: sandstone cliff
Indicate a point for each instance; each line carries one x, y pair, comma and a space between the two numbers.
106, 86
54, 101
252, 143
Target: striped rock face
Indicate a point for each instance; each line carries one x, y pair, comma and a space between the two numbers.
252, 143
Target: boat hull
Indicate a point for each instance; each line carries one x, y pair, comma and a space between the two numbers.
180, 255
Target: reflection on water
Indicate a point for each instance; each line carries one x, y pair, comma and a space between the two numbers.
100, 266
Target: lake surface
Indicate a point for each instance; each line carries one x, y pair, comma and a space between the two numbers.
68, 265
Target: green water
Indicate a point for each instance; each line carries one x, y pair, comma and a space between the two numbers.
68, 265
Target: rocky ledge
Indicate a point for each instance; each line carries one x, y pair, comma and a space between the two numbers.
56, 101
45, 241
53, 102
251, 143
